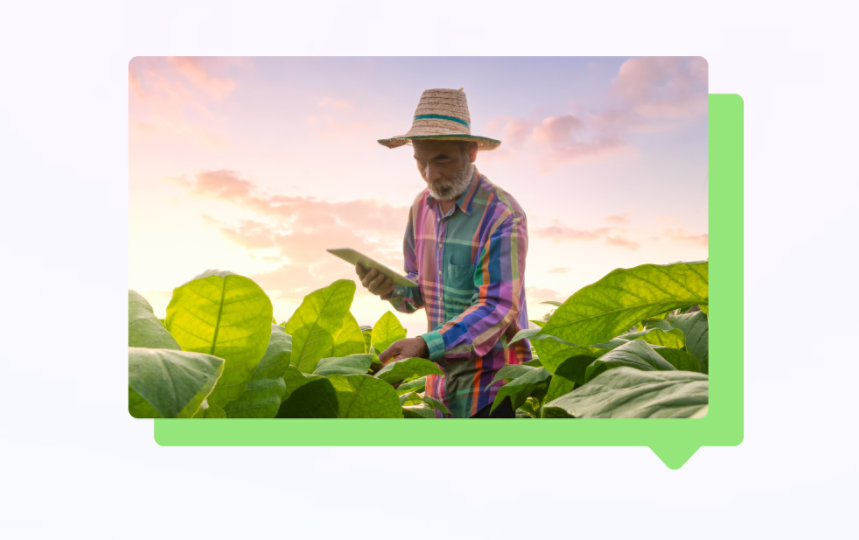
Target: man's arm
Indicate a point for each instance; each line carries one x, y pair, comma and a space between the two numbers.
408, 299
500, 289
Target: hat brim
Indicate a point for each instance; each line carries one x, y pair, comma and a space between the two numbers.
483, 143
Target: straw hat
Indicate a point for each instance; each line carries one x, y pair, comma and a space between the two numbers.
442, 114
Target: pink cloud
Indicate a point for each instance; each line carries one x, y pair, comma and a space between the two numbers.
558, 130
223, 184
663, 86
681, 236
299, 229
611, 236
559, 270
335, 103
536, 295
192, 69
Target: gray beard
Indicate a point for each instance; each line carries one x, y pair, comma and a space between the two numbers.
451, 190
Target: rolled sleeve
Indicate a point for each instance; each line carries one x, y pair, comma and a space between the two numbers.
435, 345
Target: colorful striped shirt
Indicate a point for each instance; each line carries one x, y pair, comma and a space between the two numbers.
469, 266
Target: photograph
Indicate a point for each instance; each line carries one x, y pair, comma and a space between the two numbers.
418, 237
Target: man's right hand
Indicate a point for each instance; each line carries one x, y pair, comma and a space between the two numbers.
375, 281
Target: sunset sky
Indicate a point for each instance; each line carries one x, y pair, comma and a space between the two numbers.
257, 165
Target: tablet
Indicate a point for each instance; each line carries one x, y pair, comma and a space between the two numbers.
351, 256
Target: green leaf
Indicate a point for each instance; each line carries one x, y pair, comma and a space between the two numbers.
349, 339
170, 383
418, 406
624, 297
307, 397
568, 376
210, 410
527, 333
696, 327
636, 354
144, 328
316, 321
409, 368
679, 359
673, 338
534, 382
631, 393
264, 392
386, 331
554, 351
355, 364
510, 372
417, 385
225, 315
363, 396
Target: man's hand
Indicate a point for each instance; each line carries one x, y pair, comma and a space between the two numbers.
414, 347
375, 281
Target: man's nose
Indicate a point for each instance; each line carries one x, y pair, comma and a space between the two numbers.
432, 173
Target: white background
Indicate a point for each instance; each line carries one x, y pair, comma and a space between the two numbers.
74, 464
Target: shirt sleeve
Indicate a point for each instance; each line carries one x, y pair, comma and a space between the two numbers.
408, 299
498, 279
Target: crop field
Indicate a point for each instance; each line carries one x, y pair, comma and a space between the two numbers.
633, 344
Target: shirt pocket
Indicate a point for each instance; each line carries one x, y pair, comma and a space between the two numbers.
459, 285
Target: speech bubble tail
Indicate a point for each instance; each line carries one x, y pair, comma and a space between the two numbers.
675, 455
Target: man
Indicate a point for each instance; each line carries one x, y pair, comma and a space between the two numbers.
465, 246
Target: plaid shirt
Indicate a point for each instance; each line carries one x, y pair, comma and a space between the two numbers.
469, 266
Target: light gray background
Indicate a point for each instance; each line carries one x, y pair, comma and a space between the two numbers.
72, 463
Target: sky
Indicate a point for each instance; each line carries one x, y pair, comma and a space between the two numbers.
258, 164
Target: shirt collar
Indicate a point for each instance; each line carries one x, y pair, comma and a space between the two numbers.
464, 201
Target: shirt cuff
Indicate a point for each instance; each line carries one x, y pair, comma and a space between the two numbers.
399, 292
435, 344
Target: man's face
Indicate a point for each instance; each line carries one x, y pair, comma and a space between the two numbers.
445, 166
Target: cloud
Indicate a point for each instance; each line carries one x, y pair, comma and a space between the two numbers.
192, 69
559, 270
295, 231
610, 236
647, 95
536, 295
681, 236
178, 98
329, 102
661, 88
558, 130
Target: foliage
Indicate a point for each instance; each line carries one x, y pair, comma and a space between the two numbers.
633, 344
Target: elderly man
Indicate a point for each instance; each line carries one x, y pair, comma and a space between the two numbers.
465, 246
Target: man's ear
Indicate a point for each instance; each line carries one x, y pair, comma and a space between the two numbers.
472, 151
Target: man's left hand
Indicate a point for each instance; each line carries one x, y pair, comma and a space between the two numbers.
414, 347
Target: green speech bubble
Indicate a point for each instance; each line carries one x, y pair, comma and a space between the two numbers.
674, 440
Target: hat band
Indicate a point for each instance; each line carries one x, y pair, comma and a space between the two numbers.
442, 117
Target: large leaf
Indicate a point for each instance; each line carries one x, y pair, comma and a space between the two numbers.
679, 359
624, 297
569, 375
673, 338
534, 382
225, 315
697, 330
632, 393
264, 392
409, 368
349, 339
354, 364
554, 351
144, 328
168, 383
636, 354
418, 406
307, 396
363, 396
386, 331
316, 321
